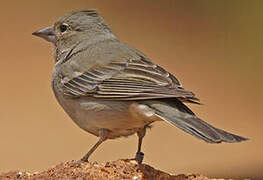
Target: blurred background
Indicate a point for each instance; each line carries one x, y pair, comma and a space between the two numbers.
213, 47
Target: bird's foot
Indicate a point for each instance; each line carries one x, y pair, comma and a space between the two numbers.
84, 159
80, 162
139, 157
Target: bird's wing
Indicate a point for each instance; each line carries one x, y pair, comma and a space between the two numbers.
130, 80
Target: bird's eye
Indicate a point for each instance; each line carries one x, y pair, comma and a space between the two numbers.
63, 27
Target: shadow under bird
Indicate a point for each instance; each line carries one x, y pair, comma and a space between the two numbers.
112, 90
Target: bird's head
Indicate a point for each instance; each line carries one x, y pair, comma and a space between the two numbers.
74, 27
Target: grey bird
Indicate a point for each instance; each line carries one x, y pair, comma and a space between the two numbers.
112, 90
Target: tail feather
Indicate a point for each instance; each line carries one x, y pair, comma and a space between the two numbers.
180, 116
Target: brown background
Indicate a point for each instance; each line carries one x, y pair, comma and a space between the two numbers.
213, 47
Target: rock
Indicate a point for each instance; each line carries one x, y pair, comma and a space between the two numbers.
116, 170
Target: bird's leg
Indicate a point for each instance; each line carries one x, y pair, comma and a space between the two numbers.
103, 135
139, 155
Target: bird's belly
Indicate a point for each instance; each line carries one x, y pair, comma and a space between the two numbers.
93, 115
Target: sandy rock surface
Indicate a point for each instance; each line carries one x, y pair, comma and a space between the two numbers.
116, 170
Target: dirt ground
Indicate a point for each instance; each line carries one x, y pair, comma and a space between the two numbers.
120, 169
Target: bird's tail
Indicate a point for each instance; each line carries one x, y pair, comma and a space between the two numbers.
179, 115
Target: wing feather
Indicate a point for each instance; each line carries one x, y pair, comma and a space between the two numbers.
134, 79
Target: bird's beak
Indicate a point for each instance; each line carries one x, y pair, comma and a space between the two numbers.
47, 33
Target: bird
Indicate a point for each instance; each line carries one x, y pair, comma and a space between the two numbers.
112, 90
